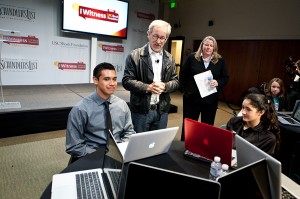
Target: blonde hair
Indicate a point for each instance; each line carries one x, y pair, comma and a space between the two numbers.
217, 56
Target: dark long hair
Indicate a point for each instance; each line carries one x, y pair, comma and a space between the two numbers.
269, 119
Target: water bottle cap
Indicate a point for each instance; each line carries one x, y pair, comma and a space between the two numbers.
225, 166
217, 159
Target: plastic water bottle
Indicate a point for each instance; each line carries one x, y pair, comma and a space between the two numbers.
215, 168
209, 78
224, 170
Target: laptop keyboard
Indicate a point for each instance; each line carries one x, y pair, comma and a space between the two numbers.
284, 114
290, 120
115, 177
286, 195
88, 185
196, 156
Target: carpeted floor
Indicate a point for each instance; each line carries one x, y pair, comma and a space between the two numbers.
27, 169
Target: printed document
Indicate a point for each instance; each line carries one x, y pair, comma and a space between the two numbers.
202, 81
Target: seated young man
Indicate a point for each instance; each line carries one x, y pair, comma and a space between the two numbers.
87, 128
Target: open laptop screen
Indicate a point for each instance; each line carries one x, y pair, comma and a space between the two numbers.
112, 166
102, 181
144, 181
247, 153
296, 111
290, 118
148, 144
248, 182
208, 141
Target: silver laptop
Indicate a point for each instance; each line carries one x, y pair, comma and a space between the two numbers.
107, 178
147, 144
292, 119
247, 153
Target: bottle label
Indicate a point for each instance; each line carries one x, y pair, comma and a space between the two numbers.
214, 172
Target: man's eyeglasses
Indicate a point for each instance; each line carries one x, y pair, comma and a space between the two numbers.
156, 37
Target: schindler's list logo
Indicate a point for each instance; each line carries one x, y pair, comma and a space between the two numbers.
70, 66
7, 11
18, 65
29, 40
92, 13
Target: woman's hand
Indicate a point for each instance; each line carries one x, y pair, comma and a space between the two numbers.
213, 83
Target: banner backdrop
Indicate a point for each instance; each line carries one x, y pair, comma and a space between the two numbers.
112, 53
34, 52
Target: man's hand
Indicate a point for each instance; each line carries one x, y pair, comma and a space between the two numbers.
156, 87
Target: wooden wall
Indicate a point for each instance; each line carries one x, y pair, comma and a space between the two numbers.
252, 62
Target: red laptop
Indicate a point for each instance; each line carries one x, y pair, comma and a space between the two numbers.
208, 141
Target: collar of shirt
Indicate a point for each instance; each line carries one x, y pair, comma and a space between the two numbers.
211, 58
206, 63
258, 129
155, 56
98, 99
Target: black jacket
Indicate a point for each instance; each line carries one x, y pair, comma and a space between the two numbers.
258, 136
138, 74
193, 67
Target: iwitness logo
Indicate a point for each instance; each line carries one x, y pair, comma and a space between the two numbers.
86, 12
70, 65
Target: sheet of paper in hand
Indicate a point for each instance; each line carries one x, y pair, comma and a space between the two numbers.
202, 81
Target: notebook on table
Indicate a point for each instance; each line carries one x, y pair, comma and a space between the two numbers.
208, 141
292, 119
147, 144
144, 181
79, 184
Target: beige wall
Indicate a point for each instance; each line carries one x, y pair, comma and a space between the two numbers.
233, 19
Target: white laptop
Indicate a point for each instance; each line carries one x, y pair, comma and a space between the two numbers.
290, 119
147, 144
108, 177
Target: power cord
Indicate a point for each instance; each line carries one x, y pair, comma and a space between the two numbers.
233, 109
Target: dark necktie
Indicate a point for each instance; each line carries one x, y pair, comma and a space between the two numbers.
108, 116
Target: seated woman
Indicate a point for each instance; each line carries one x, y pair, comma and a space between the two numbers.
276, 93
258, 123
250, 90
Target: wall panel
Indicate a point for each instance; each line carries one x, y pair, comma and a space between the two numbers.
252, 62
